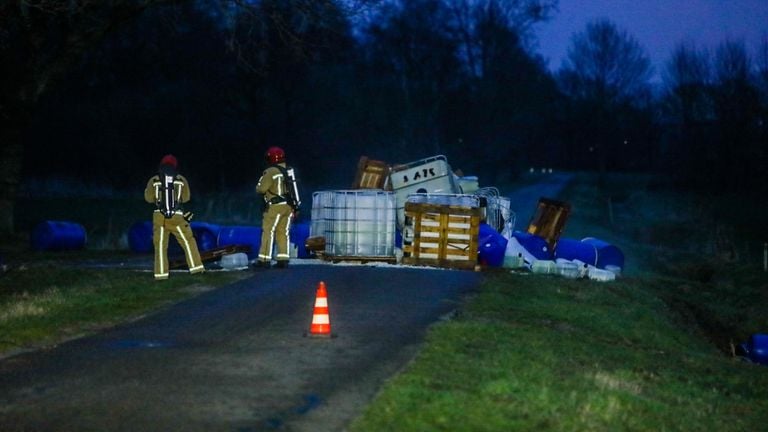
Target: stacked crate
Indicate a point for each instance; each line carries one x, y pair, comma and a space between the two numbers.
441, 235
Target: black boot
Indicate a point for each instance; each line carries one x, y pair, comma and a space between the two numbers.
281, 264
260, 265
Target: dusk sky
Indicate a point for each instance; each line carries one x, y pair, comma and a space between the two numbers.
658, 24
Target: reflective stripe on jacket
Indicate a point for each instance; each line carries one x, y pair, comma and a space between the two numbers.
272, 184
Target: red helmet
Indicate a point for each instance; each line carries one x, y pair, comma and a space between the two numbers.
169, 159
275, 155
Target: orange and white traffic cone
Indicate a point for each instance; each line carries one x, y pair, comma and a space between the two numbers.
321, 320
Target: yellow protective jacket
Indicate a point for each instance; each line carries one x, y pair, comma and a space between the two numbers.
273, 184
153, 192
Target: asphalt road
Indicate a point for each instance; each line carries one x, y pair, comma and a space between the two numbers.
235, 359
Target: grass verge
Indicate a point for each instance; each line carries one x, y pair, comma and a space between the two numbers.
646, 352
44, 302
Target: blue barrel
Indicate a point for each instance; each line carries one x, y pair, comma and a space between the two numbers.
571, 249
241, 236
140, 237
758, 350
299, 234
607, 254
534, 244
491, 246
57, 236
206, 235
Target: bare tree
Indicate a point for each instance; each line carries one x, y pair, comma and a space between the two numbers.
411, 46
687, 78
518, 16
606, 73
740, 153
689, 108
605, 64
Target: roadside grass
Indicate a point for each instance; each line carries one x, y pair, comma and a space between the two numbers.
649, 351
44, 302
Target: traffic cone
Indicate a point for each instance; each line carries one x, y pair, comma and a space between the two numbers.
321, 321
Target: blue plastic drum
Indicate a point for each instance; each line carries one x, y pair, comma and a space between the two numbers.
535, 245
572, 249
206, 235
758, 352
140, 237
607, 254
58, 236
241, 236
491, 246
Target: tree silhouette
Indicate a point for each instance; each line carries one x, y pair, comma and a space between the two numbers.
737, 108
606, 74
607, 65
688, 106
42, 41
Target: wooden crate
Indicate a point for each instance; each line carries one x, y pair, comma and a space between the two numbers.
549, 220
443, 235
372, 174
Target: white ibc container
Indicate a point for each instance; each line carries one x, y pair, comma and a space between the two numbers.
432, 175
358, 223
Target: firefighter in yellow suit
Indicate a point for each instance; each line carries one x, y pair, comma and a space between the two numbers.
280, 203
168, 190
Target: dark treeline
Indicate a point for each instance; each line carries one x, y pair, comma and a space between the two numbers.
216, 83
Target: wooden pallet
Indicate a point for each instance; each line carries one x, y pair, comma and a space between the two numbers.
211, 255
549, 220
372, 174
315, 243
443, 235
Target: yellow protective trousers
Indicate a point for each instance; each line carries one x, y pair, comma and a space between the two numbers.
162, 228
275, 228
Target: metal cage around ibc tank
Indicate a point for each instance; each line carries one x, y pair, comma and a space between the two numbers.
355, 223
